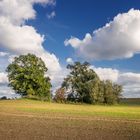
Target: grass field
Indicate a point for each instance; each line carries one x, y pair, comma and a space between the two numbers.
35, 120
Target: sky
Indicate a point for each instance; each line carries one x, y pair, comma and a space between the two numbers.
104, 33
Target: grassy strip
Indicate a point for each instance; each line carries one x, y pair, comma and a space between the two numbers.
31, 106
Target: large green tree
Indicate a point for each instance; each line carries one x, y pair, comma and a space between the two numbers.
27, 76
82, 83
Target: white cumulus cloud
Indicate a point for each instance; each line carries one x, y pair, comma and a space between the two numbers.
107, 73
131, 84
69, 60
2, 54
17, 11
18, 38
3, 78
117, 39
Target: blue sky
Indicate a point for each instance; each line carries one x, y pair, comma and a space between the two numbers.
63, 31
77, 18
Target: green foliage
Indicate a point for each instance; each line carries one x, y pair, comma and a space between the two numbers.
27, 76
112, 92
84, 85
82, 82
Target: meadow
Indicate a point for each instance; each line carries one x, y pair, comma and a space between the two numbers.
26, 119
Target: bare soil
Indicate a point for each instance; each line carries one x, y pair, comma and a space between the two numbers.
50, 127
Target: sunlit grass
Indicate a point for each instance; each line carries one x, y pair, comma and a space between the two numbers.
41, 108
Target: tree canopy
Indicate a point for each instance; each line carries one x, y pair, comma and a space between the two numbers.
26, 76
111, 92
80, 82
84, 85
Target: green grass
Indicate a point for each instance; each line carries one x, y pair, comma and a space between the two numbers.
38, 107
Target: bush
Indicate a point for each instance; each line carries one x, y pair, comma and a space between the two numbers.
60, 96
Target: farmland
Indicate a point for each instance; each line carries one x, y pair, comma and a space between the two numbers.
29, 119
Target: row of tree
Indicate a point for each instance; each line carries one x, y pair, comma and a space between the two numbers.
84, 85
27, 77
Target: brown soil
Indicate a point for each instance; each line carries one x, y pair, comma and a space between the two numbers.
50, 127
